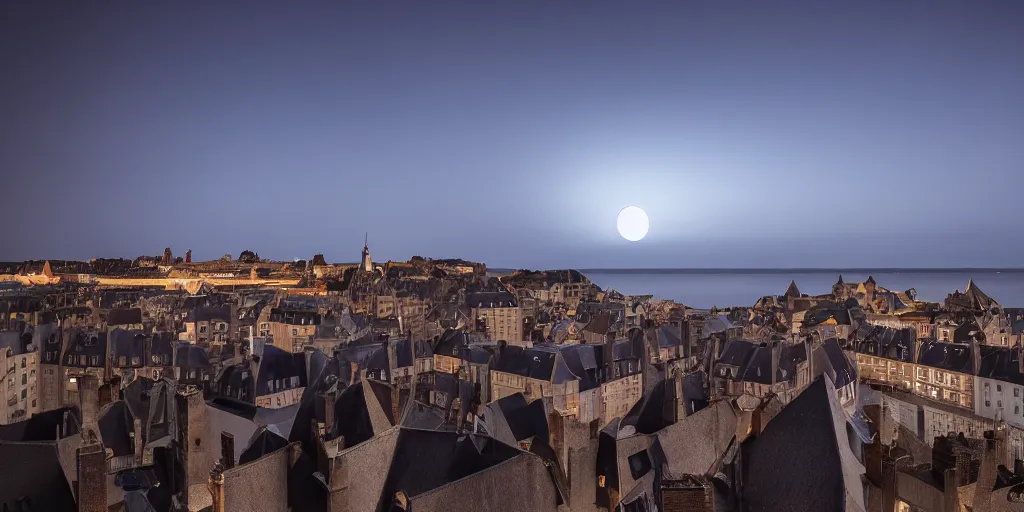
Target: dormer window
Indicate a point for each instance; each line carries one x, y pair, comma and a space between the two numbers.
90, 341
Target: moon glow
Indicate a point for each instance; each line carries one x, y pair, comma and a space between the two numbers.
633, 223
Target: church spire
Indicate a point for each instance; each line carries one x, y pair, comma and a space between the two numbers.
366, 264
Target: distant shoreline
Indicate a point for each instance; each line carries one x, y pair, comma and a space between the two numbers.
880, 271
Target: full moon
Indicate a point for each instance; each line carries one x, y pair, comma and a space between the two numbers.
633, 223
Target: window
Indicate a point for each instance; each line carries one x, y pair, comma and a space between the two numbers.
202, 329
24, 379
295, 332
24, 394
33, 402
295, 382
1016, 409
23, 362
639, 464
999, 388
95, 360
122, 361
136, 361
1016, 392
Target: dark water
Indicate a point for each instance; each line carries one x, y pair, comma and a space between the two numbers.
731, 288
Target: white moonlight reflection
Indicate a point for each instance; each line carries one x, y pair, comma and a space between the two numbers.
633, 223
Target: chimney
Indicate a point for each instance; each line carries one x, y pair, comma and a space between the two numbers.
91, 487
395, 396
227, 450
139, 444
188, 256
328, 401
776, 353
951, 496
88, 395
392, 361
680, 398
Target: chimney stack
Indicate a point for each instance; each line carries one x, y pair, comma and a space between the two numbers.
91, 487
139, 444
328, 401
88, 396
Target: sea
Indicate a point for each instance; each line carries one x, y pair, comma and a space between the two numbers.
722, 288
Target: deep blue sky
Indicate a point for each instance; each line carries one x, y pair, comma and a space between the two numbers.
755, 134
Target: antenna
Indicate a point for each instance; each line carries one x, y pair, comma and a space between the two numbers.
366, 239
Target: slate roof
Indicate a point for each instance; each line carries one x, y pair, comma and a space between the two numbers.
33, 478
210, 314
42, 426
352, 419
90, 345
128, 344
813, 478
582, 362
264, 442
790, 356
647, 415
669, 336
524, 419
898, 344
759, 367
952, 357
187, 355
425, 460
845, 370
116, 427
124, 316
277, 364
734, 359
534, 363
491, 300
1001, 364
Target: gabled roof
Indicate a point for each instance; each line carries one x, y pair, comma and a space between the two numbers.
425, 460
264, 442
802, 461
792, 291
513, 419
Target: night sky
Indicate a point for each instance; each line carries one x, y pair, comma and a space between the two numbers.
755, 134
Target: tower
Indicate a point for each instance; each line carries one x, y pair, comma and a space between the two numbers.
366, 263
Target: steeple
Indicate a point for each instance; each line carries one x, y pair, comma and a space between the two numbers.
792, 291
366, 263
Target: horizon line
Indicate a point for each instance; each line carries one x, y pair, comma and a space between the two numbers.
781, 270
